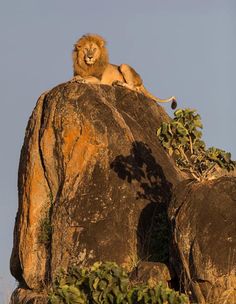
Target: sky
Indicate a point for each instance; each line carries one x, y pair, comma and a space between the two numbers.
184, 48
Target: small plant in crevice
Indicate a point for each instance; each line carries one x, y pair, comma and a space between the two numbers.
45, 231
182, 138
45, 227
107, 283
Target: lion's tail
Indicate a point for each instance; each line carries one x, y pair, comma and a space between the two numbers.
148, 94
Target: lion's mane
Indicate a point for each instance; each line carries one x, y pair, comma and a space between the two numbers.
79, 65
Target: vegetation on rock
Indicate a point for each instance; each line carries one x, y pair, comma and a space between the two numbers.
45, 231
108, 283
182, 138
45, 227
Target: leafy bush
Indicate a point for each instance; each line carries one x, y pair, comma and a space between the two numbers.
109, 284
182, 139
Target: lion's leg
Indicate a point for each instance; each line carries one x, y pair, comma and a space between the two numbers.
131, 77
78, 78
92, 79
89, 79
123, 84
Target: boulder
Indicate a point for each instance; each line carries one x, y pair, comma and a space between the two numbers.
152, 273
203, 217
27, 296
94, 184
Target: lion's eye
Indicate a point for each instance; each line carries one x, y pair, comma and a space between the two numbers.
86, 49
94, 49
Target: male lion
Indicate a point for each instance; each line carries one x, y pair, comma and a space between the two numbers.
91, 64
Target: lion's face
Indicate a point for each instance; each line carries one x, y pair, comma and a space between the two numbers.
90, 56
90, 52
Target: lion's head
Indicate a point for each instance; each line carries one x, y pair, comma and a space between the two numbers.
90, 56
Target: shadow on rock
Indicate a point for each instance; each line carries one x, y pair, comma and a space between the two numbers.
153, 227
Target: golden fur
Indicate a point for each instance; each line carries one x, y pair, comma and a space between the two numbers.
80, 53
91, 64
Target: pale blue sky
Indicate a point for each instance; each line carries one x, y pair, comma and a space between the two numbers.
185, 48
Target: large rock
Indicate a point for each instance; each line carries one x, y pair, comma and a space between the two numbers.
203, 217
93, 179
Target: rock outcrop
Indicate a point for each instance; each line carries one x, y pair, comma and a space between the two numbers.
203, 217
95, 185
93, 179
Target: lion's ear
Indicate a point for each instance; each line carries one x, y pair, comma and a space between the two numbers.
77, 46
102, 43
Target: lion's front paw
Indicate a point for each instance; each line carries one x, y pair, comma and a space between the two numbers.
78, 78
118, 83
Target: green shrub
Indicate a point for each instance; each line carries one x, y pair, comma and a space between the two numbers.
109, 284
182, 138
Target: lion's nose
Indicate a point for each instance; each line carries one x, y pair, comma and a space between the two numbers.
90, 56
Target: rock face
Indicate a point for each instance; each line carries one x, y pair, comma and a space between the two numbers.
152, 273
95, 185
204, 239
93, 180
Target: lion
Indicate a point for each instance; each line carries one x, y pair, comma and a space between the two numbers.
91, 64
